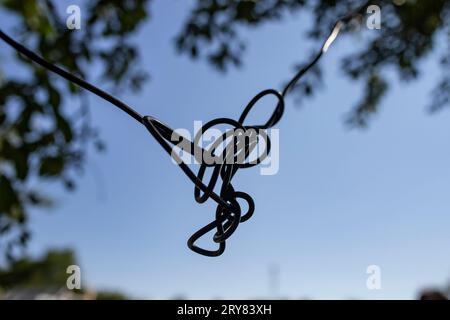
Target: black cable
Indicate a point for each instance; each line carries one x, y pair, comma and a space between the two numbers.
228, 212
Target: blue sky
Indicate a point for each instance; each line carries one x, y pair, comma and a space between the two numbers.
342, 200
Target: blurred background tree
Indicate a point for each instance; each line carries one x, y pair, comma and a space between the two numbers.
410, 31
29, 277
47, 271
38, 139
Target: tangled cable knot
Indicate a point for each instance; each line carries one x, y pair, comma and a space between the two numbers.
229, 212
242, 141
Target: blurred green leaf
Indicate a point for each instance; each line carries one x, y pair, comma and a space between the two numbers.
8, 196
51, 166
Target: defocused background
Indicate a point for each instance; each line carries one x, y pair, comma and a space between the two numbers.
363, 177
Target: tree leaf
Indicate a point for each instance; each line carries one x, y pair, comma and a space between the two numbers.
51, 166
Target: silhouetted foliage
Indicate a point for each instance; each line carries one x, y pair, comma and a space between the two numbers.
410, 30
432, 294
48, 271
111, 295
38, 139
